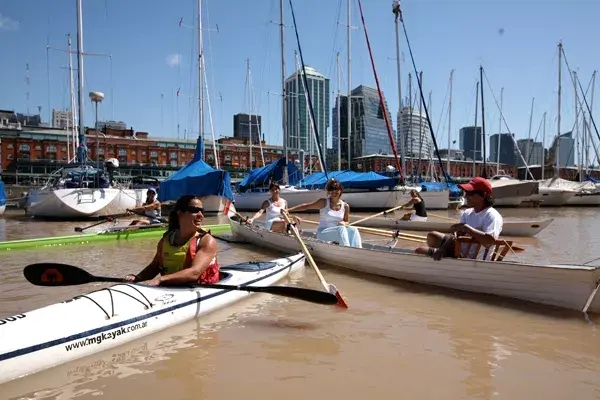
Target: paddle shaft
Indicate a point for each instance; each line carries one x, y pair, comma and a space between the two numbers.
376, 215
79, 229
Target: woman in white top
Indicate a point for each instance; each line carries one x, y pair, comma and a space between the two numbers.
273, 206
334, 215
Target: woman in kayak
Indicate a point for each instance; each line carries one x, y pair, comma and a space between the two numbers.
150, 208
273, 207
185, 253
334, 215
416, 202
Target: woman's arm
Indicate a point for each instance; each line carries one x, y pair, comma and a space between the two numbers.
260, 212
347, 214
150, 271
308, 206
153, 206
207, 250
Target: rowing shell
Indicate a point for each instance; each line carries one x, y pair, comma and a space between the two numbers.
509, 228
115, 233
100, 320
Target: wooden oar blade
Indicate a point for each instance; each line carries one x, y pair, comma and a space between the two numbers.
56, 274
338, 296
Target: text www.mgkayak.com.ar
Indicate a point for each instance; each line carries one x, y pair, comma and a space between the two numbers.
105, 336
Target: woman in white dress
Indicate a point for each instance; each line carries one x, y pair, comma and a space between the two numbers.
334, 215
273, 206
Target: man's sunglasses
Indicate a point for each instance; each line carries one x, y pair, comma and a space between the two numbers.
474, 192
193, 209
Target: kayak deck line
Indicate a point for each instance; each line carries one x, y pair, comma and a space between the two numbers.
111, 234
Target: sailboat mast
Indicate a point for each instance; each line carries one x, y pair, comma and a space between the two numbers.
449, 122
475, 134
82, 156
499, 131
589, 132
396, 10
349, 109
529, 143
543, 144
284, 97
249, 112
557, 171
577, 108
72, 99
338, 122
483, 138
200, 80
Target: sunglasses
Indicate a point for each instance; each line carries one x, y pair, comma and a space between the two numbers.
474, 192
193, 209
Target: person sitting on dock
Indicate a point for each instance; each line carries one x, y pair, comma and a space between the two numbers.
334, 217
185, 253
273, 207
481, 221
150, 208
418, 204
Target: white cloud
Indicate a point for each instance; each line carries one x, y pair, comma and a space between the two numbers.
173, 60
7, 23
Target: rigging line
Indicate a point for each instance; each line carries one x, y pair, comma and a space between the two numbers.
308, 95
505, 123
437, 150
381, 101
210, 57
265, 59
335, 33
444, 106
584, 96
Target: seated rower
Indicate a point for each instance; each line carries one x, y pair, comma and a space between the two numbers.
481, 221
334, 217
185, 253
416, 202
151, 208
273, 207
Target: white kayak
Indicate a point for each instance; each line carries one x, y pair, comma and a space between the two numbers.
109, 317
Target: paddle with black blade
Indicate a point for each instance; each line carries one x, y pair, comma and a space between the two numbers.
56, 274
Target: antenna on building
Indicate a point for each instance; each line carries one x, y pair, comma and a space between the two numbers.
27, 93
40, 113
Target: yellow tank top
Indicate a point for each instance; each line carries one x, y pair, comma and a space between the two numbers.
174, 257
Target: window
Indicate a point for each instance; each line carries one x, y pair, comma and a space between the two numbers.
143, 152
173, 163
24, 147
51, 149
133, 152
9, 156
122, 153
38, 147
10, 146
101, 151
63, 148
154, 154
173, 155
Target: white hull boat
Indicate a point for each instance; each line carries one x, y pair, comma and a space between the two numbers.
251, 201
509, 228
567, 286
109, 317
2, 209
552, 197
214, 204
585, 198
82, 202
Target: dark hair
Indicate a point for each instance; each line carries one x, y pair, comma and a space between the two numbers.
273, 185
333, 184
180, 205
488, 201
415, 191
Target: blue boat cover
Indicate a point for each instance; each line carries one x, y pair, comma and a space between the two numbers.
262, 176
2, 194
196, 178
440, 187
349, 179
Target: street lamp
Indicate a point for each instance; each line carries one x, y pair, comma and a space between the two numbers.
97, 97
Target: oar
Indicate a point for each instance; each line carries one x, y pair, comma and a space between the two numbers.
56, 274
329, 287
442, 217
376, 215
379, 232
80, 229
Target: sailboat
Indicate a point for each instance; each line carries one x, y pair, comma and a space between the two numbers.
82, 190
2, 198
197, 177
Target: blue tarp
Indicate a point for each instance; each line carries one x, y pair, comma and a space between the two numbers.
262, 176
198, 179
349, 179
441, 186
2, 194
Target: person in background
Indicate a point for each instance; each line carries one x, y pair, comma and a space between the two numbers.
480, 220
334, 216
416, 202
150, 208
185, 253
273, 207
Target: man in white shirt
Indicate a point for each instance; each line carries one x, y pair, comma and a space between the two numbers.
481, 221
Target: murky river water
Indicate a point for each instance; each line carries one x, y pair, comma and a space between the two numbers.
397, 340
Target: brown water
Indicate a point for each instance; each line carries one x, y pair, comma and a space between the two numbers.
397, 340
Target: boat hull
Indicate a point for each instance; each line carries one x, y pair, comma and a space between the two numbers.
2, 209
82, 203
565, 286
252, 201
76, 328
551, 197
585, 199
509, 228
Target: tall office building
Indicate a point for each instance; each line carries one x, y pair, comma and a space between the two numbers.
470, 142
566, 150
507, 148
414, 130
244, 124
62, 119
533, 152
368, 134
298, 126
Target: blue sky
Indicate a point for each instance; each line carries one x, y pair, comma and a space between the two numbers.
151, 55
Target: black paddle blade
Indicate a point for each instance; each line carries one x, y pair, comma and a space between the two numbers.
55, 274
311, 295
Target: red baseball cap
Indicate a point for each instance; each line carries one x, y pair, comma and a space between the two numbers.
478, 184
